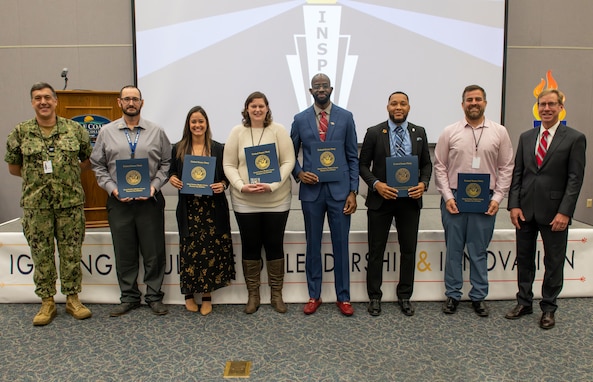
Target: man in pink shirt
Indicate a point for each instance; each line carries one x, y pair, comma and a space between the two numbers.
473, 145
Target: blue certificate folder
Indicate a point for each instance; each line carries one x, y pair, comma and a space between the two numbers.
262, 164
133, 178
325, 157
473, 192
198, 174
402, 173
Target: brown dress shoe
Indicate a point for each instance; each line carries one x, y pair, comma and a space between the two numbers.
547, 321
518, 311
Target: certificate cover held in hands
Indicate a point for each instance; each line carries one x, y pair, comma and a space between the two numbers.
473, 192
198, 174
133, 178
262, 163
402, 173
324, 155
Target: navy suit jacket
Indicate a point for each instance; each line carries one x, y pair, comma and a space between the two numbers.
375, 149
341, 128
553, 188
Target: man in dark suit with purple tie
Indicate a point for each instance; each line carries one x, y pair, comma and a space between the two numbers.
547, 179
384, 204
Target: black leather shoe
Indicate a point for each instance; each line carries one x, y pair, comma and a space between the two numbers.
518, 311
158, 308
547, 321
374, 307
406, 307
123, 308
480, 308
450, 306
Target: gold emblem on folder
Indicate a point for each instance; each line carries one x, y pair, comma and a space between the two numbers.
133, 177
473, 190
262, 162
327, 158
402, 175
198, 173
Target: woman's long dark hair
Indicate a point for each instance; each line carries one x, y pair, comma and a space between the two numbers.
184, 145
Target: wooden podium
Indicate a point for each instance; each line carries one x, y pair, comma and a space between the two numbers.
73, 103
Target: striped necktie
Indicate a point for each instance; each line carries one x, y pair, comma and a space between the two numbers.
322, 125
542, 148
397, 142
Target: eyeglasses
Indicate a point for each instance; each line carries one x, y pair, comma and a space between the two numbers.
548, 104
130, 99
321, 86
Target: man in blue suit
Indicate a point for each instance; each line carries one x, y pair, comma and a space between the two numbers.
325, 121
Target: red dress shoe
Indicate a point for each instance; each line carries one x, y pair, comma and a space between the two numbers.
345, 307
312, 305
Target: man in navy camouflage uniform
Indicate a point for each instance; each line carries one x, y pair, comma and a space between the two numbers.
48, 152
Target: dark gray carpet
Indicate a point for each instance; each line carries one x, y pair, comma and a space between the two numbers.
326, 346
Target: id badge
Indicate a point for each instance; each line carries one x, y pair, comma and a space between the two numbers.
47, 167
476, 162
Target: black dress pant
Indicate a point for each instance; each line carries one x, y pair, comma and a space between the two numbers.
406, 213
554, 255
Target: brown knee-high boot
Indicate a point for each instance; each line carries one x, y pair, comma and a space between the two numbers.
252, 271
276, 281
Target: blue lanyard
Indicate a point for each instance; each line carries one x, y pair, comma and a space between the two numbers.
132, 145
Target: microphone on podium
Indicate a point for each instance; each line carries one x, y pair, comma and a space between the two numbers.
65, 77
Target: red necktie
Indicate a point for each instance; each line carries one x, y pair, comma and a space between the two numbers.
322, 125
542, 148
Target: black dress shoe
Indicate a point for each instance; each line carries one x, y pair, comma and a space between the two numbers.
374, 307
450, 306
406, 307
480, 308
547, 321
123, 308
518, 311
158, 308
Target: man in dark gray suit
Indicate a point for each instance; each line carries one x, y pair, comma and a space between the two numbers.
547, 179
384, 204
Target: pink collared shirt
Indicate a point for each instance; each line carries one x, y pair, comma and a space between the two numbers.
457, 147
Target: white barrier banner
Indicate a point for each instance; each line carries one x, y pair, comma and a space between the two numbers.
100, 280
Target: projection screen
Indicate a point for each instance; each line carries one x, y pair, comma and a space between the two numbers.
214, 53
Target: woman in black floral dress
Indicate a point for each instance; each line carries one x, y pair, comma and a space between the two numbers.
205, 246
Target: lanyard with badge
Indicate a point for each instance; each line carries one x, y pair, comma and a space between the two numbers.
132, 145
476, 158
50, 150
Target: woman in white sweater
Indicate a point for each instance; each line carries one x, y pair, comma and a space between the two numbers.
261, 209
